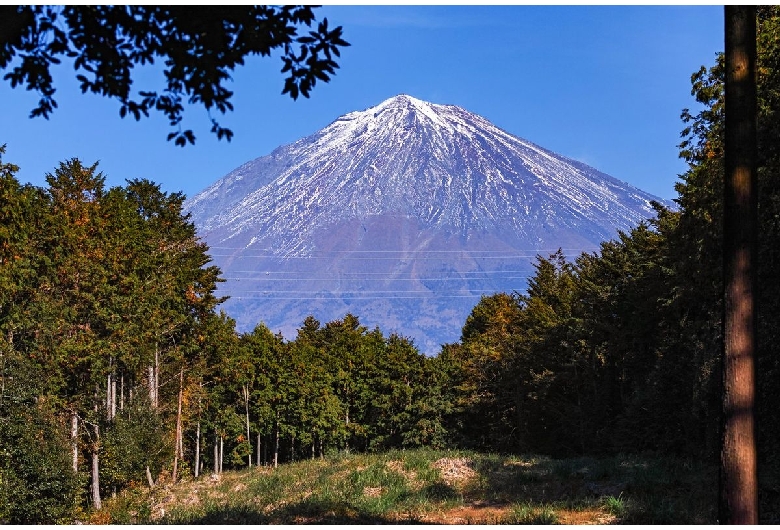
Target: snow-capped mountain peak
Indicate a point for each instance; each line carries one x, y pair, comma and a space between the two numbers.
404, 178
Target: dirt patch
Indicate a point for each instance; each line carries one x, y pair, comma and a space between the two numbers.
585, 517
472, 514
372, 492
455, 470
396, 466
493, 514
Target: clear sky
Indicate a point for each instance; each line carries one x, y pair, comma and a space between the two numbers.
601, 84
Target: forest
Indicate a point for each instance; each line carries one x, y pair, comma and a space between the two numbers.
117, 368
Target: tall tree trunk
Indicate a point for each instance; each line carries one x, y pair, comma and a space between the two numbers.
177, 454
10, 339
113, 397
122, 391
149, 478
258, 450
346, 419
276, 443
96, 502
74, 439
738, 477
197, 450
154, 379
221, 452
246, 407
110, 397
152, 387
216, 454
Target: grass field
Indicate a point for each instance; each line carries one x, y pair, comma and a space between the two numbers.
434, 487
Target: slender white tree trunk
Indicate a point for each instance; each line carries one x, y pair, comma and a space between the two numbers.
110, 397
152, 392
74, 440
113, 397
197, 450
276, 445
216, 454
246, 407
96, 502
154, 379
178, 451
221, 452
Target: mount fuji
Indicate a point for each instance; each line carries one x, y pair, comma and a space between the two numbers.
402, 214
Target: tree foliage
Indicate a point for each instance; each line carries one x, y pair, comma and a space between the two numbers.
108, 302
198, 46
619, 350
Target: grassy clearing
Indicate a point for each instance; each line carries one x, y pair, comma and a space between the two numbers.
424, 486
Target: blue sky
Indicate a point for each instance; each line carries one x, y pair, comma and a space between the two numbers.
601, 84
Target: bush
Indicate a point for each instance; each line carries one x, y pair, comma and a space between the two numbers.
37, 482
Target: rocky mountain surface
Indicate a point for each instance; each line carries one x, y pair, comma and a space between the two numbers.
403, 214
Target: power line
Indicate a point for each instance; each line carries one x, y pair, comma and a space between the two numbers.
383, 279
416, 251
354, 273
335, 297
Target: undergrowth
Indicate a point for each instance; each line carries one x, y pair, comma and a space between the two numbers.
427, 486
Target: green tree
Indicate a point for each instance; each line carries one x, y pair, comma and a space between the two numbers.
489, 376
198, 46
349, 349
395, 378
37, 484
106, 294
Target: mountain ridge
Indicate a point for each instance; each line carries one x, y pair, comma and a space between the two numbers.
409, 190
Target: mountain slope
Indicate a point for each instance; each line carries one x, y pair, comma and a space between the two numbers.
403, 214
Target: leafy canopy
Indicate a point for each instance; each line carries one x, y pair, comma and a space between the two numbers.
199, 48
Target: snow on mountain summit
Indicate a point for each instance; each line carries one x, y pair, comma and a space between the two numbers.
446, 178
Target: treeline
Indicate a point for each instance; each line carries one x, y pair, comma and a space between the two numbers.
103, 296
620, 350
117, 368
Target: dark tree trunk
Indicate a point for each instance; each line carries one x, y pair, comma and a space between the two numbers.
738, 478
258, 451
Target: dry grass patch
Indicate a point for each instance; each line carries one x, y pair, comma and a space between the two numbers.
455, 471
435, 487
